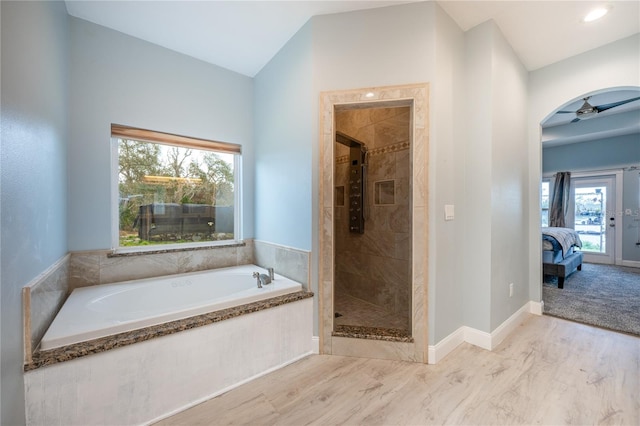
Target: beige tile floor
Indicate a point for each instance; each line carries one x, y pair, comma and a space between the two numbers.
548, 372
357, 312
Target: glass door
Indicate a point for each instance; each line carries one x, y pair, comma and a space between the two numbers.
593, 210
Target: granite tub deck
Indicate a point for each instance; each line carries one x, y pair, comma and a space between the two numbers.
103, 344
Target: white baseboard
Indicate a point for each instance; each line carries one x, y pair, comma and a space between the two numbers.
478, 338
315, 345
482, 339
504, 329
631, 263
536, 308
446, 345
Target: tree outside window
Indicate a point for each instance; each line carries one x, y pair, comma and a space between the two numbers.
173, 194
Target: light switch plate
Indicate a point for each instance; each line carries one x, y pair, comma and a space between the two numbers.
448, 212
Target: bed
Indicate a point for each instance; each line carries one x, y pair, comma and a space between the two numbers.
559, 255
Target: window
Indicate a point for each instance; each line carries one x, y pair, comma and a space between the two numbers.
544, 202
590, 202
173, 190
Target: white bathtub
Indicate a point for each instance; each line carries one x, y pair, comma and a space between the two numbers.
104, 310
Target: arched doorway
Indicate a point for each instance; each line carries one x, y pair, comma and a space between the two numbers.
596, 138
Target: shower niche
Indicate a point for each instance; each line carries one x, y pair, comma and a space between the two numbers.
372, 226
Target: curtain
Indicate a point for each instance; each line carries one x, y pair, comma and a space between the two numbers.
560, 200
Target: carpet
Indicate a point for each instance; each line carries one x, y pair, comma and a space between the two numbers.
602, 295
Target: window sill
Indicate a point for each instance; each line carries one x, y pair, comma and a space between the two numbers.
172, 248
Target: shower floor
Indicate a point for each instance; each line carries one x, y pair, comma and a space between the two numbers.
356, 312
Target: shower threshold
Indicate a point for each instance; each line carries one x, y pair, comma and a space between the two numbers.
372, 333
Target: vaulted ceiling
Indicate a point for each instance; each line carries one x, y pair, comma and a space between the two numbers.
243, 36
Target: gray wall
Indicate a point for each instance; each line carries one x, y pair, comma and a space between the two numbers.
35, 58
477, 294
616, 152
447, 174
631, 224
378, 47
284, 124
343, 51
509, 168
283, 106
496, 180
610, 153
116, 78
402, 45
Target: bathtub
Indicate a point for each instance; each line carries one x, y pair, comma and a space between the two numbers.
103, 310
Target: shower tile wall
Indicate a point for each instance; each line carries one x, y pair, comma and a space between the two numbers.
376, 266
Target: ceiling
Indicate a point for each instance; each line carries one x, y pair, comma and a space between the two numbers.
243, 36
239, 35
563, 128
544, 32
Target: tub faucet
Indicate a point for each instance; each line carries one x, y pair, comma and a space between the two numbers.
262, 279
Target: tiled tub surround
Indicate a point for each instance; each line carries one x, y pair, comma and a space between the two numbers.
42, 299
416, 98
103, 267
160, 376
105, 310
375, 266
171, 366
292, 263
78, 350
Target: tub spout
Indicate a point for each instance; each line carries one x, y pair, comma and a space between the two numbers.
257, 275
261, 279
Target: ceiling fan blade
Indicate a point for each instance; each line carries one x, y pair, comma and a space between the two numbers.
605, 107
575, 120
565, 112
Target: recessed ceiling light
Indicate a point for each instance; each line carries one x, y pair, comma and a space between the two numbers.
595, 14
370, 95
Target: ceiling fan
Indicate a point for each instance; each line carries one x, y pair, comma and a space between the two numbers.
587, 110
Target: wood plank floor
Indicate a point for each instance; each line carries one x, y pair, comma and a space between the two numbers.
549, 371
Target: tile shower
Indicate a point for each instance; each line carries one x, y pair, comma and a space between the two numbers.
373, 264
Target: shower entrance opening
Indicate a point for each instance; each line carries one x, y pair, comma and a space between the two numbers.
372, 221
